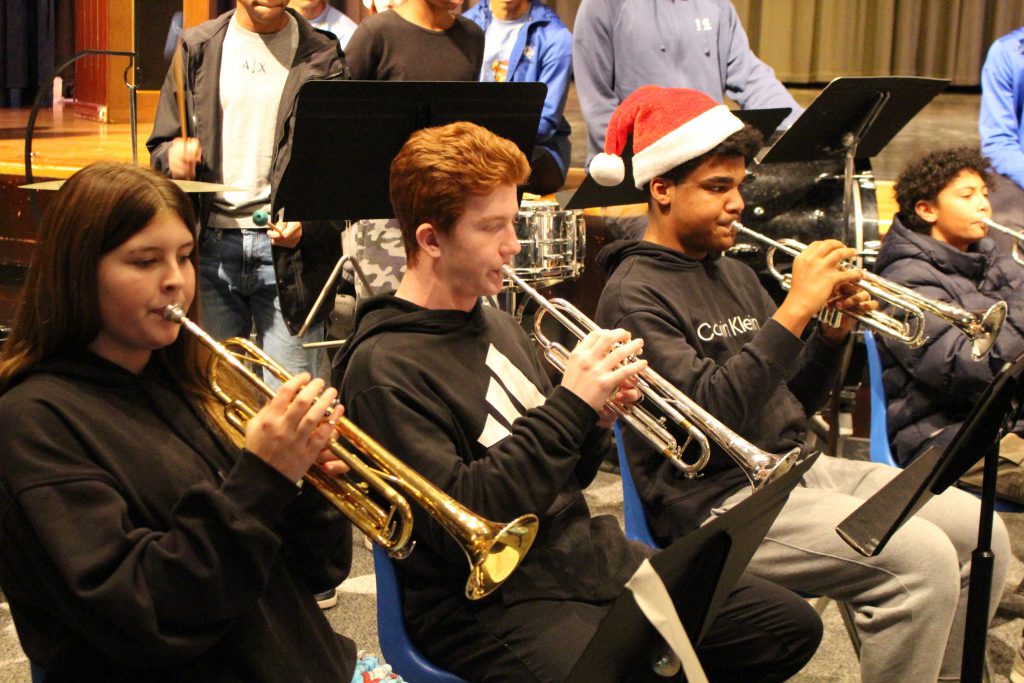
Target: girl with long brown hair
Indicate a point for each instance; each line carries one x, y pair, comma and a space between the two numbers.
137, 542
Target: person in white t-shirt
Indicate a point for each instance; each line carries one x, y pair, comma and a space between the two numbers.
320, 14
241, 69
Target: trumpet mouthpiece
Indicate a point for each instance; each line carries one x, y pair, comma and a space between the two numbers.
174, 313
261, 218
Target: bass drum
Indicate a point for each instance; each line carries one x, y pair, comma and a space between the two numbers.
804, 201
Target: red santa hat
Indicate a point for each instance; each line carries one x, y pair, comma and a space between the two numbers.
670, 126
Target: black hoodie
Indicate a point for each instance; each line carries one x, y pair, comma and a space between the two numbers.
706, 328
463, 399
136, 546
931, 389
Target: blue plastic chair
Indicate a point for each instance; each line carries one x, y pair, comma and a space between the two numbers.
879, 436
398, 649
637, 528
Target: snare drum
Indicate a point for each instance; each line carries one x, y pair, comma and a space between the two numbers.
553, 243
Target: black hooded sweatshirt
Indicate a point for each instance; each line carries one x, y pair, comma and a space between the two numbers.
136, 546
463, 399
706, 328
931, 389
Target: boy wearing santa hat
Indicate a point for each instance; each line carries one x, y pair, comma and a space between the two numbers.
712, 330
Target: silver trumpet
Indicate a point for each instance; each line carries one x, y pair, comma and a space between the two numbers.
1016, 233
759, 466
981, 327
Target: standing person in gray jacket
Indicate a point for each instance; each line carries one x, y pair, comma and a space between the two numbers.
243, 71
620, 45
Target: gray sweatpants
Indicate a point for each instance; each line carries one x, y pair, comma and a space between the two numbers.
910, 601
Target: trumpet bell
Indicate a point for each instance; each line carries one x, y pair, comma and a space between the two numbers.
500, 553
987, 331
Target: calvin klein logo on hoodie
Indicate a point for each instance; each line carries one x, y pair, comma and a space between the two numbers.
507, 387
730, 327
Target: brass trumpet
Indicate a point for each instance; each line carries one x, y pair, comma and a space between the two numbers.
493, 549
981, 327
760, 466
1016, 233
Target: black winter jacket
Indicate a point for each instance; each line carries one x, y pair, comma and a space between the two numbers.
931, 389
302, 271
136, 546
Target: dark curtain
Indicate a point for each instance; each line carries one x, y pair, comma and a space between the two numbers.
34, 36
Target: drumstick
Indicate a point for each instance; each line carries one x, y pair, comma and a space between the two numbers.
178, 73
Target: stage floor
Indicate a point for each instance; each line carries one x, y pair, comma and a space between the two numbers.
64, 143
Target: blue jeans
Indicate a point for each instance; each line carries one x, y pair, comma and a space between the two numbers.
238, 295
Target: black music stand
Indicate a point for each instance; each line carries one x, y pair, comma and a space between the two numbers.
590, 193
854, 118
699, 570
347, 133
871, 525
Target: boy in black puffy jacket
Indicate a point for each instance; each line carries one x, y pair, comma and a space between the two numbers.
938, 246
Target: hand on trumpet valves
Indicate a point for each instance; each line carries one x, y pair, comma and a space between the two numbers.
182, 157
290, 433
285, 234
623, 396
817, 271
847, 298
602, 365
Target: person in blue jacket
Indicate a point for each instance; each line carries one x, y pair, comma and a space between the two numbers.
699, 44
937, 246
1001, 126
526, 42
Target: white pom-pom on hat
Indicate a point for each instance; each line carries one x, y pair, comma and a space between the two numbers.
607, 169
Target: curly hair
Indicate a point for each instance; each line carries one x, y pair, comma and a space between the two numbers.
440, 168
743, 143
928, 176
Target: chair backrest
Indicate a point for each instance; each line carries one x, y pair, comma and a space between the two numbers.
880, 451
399, 651
637, 528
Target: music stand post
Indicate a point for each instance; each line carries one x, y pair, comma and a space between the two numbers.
853, 216
869, 527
